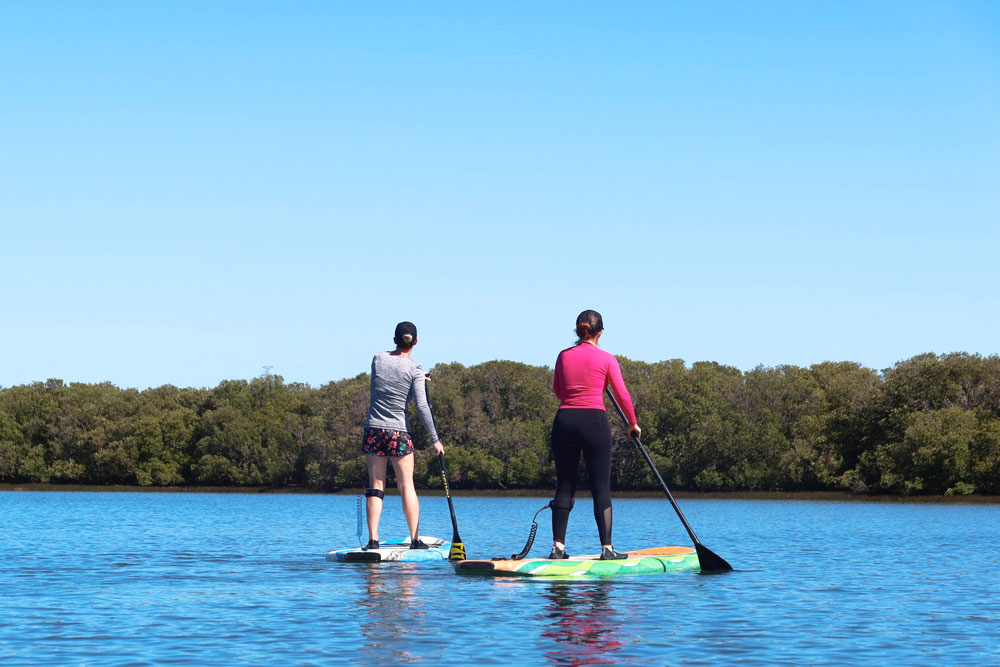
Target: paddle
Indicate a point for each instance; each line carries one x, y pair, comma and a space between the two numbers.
709, 560
457, 551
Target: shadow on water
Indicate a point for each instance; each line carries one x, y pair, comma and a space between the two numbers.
721, 573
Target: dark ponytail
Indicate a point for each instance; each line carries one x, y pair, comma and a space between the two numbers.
588, 323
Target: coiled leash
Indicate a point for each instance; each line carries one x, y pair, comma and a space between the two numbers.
531, 536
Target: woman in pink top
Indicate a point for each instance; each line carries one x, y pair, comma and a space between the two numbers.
581, 427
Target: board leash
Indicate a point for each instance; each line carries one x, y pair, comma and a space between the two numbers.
360, 544
531, 536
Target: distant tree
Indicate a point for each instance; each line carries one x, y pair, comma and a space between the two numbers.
933, 455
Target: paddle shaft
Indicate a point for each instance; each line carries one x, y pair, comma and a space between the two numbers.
457, 551
652, 466
709, 560
451, 505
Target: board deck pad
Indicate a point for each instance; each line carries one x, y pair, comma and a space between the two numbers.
642, 561
397, 550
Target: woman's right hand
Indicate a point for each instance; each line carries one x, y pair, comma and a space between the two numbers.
438, 448
635, 431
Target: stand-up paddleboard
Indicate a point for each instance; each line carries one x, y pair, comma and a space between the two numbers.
394, 550
643, 561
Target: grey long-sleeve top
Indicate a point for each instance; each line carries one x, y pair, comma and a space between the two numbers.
396, 379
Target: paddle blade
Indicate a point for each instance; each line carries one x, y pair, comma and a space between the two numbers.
710, 561
457, 551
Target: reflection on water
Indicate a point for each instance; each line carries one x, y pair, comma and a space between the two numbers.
393, 609
584, 624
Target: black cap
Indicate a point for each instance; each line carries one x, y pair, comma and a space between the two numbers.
404, 328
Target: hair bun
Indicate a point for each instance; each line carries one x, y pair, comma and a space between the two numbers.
407, 338
589, 324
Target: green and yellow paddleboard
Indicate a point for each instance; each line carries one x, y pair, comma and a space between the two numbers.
644, 561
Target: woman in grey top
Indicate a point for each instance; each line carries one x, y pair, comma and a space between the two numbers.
396, 378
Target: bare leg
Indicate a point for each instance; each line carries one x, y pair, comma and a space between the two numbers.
404, 482
376, 480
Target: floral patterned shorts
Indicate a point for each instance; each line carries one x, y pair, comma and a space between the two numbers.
386, 442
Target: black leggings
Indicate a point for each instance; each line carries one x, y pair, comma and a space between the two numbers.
585, 431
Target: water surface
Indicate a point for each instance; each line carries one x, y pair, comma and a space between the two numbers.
132, 578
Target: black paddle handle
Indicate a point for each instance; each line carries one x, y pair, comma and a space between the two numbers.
652, 466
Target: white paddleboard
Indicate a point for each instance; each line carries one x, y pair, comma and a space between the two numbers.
394, 551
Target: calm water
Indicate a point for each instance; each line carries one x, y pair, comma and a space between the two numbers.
132, 578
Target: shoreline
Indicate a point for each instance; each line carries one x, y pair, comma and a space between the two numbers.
814, 496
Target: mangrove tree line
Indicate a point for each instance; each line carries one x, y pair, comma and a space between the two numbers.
930, 424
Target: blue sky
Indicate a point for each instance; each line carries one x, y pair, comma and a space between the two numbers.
192, 191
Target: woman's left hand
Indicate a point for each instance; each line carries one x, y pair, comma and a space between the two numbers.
438, 447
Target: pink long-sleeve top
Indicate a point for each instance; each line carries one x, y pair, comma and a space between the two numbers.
583, 372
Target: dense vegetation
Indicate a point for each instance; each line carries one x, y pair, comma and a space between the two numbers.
930, 424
